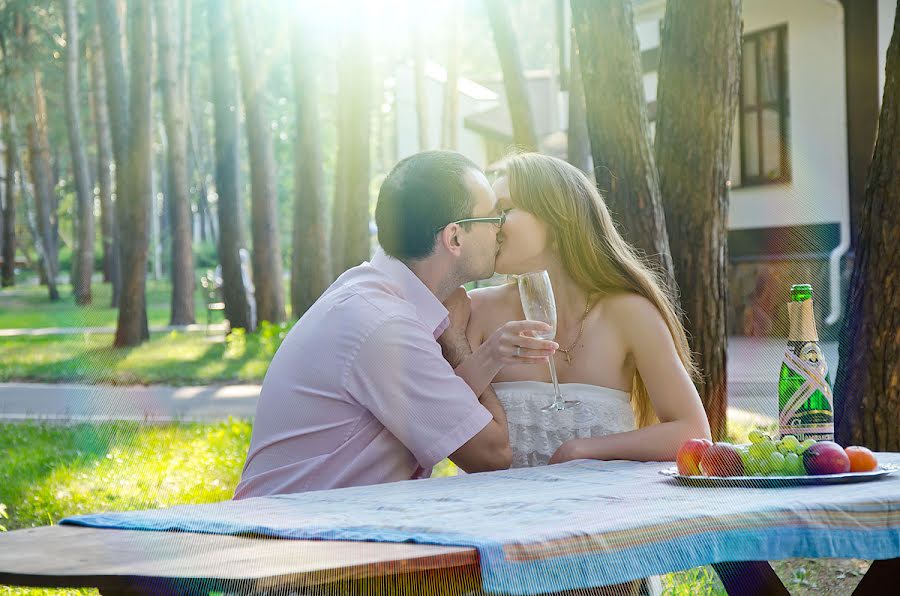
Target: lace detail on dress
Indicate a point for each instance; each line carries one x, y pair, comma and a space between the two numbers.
535, 436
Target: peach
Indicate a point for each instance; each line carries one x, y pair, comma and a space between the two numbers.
689, 456
722, 459
826, 457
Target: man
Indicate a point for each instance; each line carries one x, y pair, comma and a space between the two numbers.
359, 392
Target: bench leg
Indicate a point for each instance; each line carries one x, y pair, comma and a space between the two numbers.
748, 578
882, 577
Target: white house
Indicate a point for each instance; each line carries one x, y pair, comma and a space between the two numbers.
804, 133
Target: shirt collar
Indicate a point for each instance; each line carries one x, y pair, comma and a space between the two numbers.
432, 313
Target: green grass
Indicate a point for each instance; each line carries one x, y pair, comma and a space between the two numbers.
28, 307
175, 358
50, 472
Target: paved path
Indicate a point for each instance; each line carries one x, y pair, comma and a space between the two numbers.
154, 403
753, 367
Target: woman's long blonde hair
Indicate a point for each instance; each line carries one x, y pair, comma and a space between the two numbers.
591, 249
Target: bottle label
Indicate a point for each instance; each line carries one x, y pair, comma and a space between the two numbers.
814, 379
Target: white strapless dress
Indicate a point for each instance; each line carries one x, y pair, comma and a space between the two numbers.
535, 436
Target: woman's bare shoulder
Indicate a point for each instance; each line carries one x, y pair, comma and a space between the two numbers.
493, 296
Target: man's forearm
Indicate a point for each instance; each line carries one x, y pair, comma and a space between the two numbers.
467, 366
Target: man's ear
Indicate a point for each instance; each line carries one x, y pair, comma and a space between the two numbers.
451, 240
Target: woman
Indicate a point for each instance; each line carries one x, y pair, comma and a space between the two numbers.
622, 349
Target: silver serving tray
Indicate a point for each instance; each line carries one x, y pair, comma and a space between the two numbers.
779, 481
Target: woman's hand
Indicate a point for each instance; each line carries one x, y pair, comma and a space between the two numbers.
567, 452
513, 343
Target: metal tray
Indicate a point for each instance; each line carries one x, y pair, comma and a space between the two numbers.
779, 481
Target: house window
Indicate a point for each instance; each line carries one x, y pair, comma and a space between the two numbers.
764, 109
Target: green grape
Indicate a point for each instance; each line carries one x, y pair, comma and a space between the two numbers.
776, 462
791, 442
768, 447
805, 445
783, 448
793, 465
756, 436
751, 468
757, 452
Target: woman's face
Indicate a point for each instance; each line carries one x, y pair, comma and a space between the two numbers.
523, 239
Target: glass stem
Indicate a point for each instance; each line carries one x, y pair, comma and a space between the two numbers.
557, 398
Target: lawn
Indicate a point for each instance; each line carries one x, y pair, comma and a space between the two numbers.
53, 471
172, 358
28, 307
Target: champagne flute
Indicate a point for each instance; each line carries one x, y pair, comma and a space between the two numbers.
538, 303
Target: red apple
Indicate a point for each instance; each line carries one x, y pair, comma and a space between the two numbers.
689, 456
722, 459
826, 457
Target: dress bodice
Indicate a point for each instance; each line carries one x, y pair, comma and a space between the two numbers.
535, 435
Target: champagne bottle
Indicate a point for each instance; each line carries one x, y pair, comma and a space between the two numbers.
805, 400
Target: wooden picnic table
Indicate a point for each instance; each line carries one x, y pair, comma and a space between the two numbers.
145, 562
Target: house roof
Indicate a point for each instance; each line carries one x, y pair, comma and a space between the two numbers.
496, 122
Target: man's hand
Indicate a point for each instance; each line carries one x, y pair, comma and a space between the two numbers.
454, 344
460, 308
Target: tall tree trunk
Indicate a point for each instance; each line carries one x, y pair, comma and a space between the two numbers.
178, 196
309, 264
267, 275
239, 305
83, 192
700, 59
8, 249
118, 106
617, 124
41, 178
524, 135
419, 59
578, 146
350, 225
450, 121
134, 201
867, 388
104, 154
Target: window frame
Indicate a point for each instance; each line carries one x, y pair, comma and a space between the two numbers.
781, 103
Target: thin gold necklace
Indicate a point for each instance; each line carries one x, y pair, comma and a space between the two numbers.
587, 309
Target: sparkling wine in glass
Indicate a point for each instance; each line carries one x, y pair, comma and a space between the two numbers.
538, 303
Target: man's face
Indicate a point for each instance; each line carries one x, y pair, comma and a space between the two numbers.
479, 243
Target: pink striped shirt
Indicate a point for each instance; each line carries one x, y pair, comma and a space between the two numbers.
359, 393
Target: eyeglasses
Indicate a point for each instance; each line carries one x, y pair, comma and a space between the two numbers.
498, 221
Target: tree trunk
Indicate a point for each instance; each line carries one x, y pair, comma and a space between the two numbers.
267, 275
134, 200
617, 125
419, 59
38, 157
104, 155
239, 307
81, 283
867, 388
309, 263
524, 135
8, 249
178, 196
700, 59
117, 99
450, 122
350, 225
578, 146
